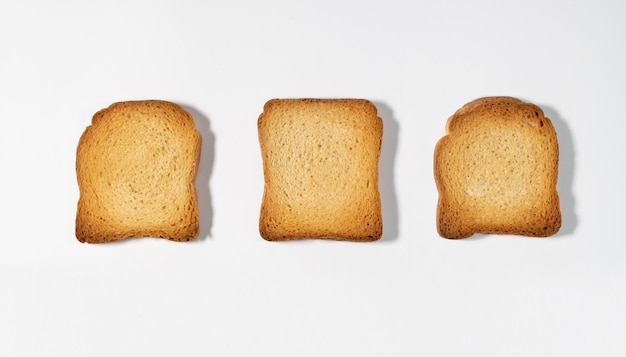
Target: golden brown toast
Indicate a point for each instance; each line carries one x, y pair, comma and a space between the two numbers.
135, 166
320, 163
496, 171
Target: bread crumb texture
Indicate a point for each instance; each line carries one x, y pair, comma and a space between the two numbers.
496, 171
320, 163
135, 166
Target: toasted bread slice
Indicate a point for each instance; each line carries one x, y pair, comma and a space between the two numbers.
135, 166
320, 162
496, 171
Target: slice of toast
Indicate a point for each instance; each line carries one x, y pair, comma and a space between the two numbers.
135, 166
320, 163
496, 171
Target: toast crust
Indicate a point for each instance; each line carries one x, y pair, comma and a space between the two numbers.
135, 166
496, 171
320, 165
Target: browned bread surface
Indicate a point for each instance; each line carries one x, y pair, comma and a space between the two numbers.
135, 166
496, 171
320, 163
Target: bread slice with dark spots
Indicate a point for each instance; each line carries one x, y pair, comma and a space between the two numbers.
320, 164
135, 166
496, 171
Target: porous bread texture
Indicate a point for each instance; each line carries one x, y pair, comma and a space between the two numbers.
135, 166
496, 171
320, 164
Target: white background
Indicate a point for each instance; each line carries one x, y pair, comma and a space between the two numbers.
230, 293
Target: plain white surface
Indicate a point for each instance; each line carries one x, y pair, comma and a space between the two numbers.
230, 293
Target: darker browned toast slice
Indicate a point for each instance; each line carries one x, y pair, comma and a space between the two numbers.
496, 171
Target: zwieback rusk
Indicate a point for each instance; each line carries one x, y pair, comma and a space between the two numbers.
135, 166
320, 165
496, 171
